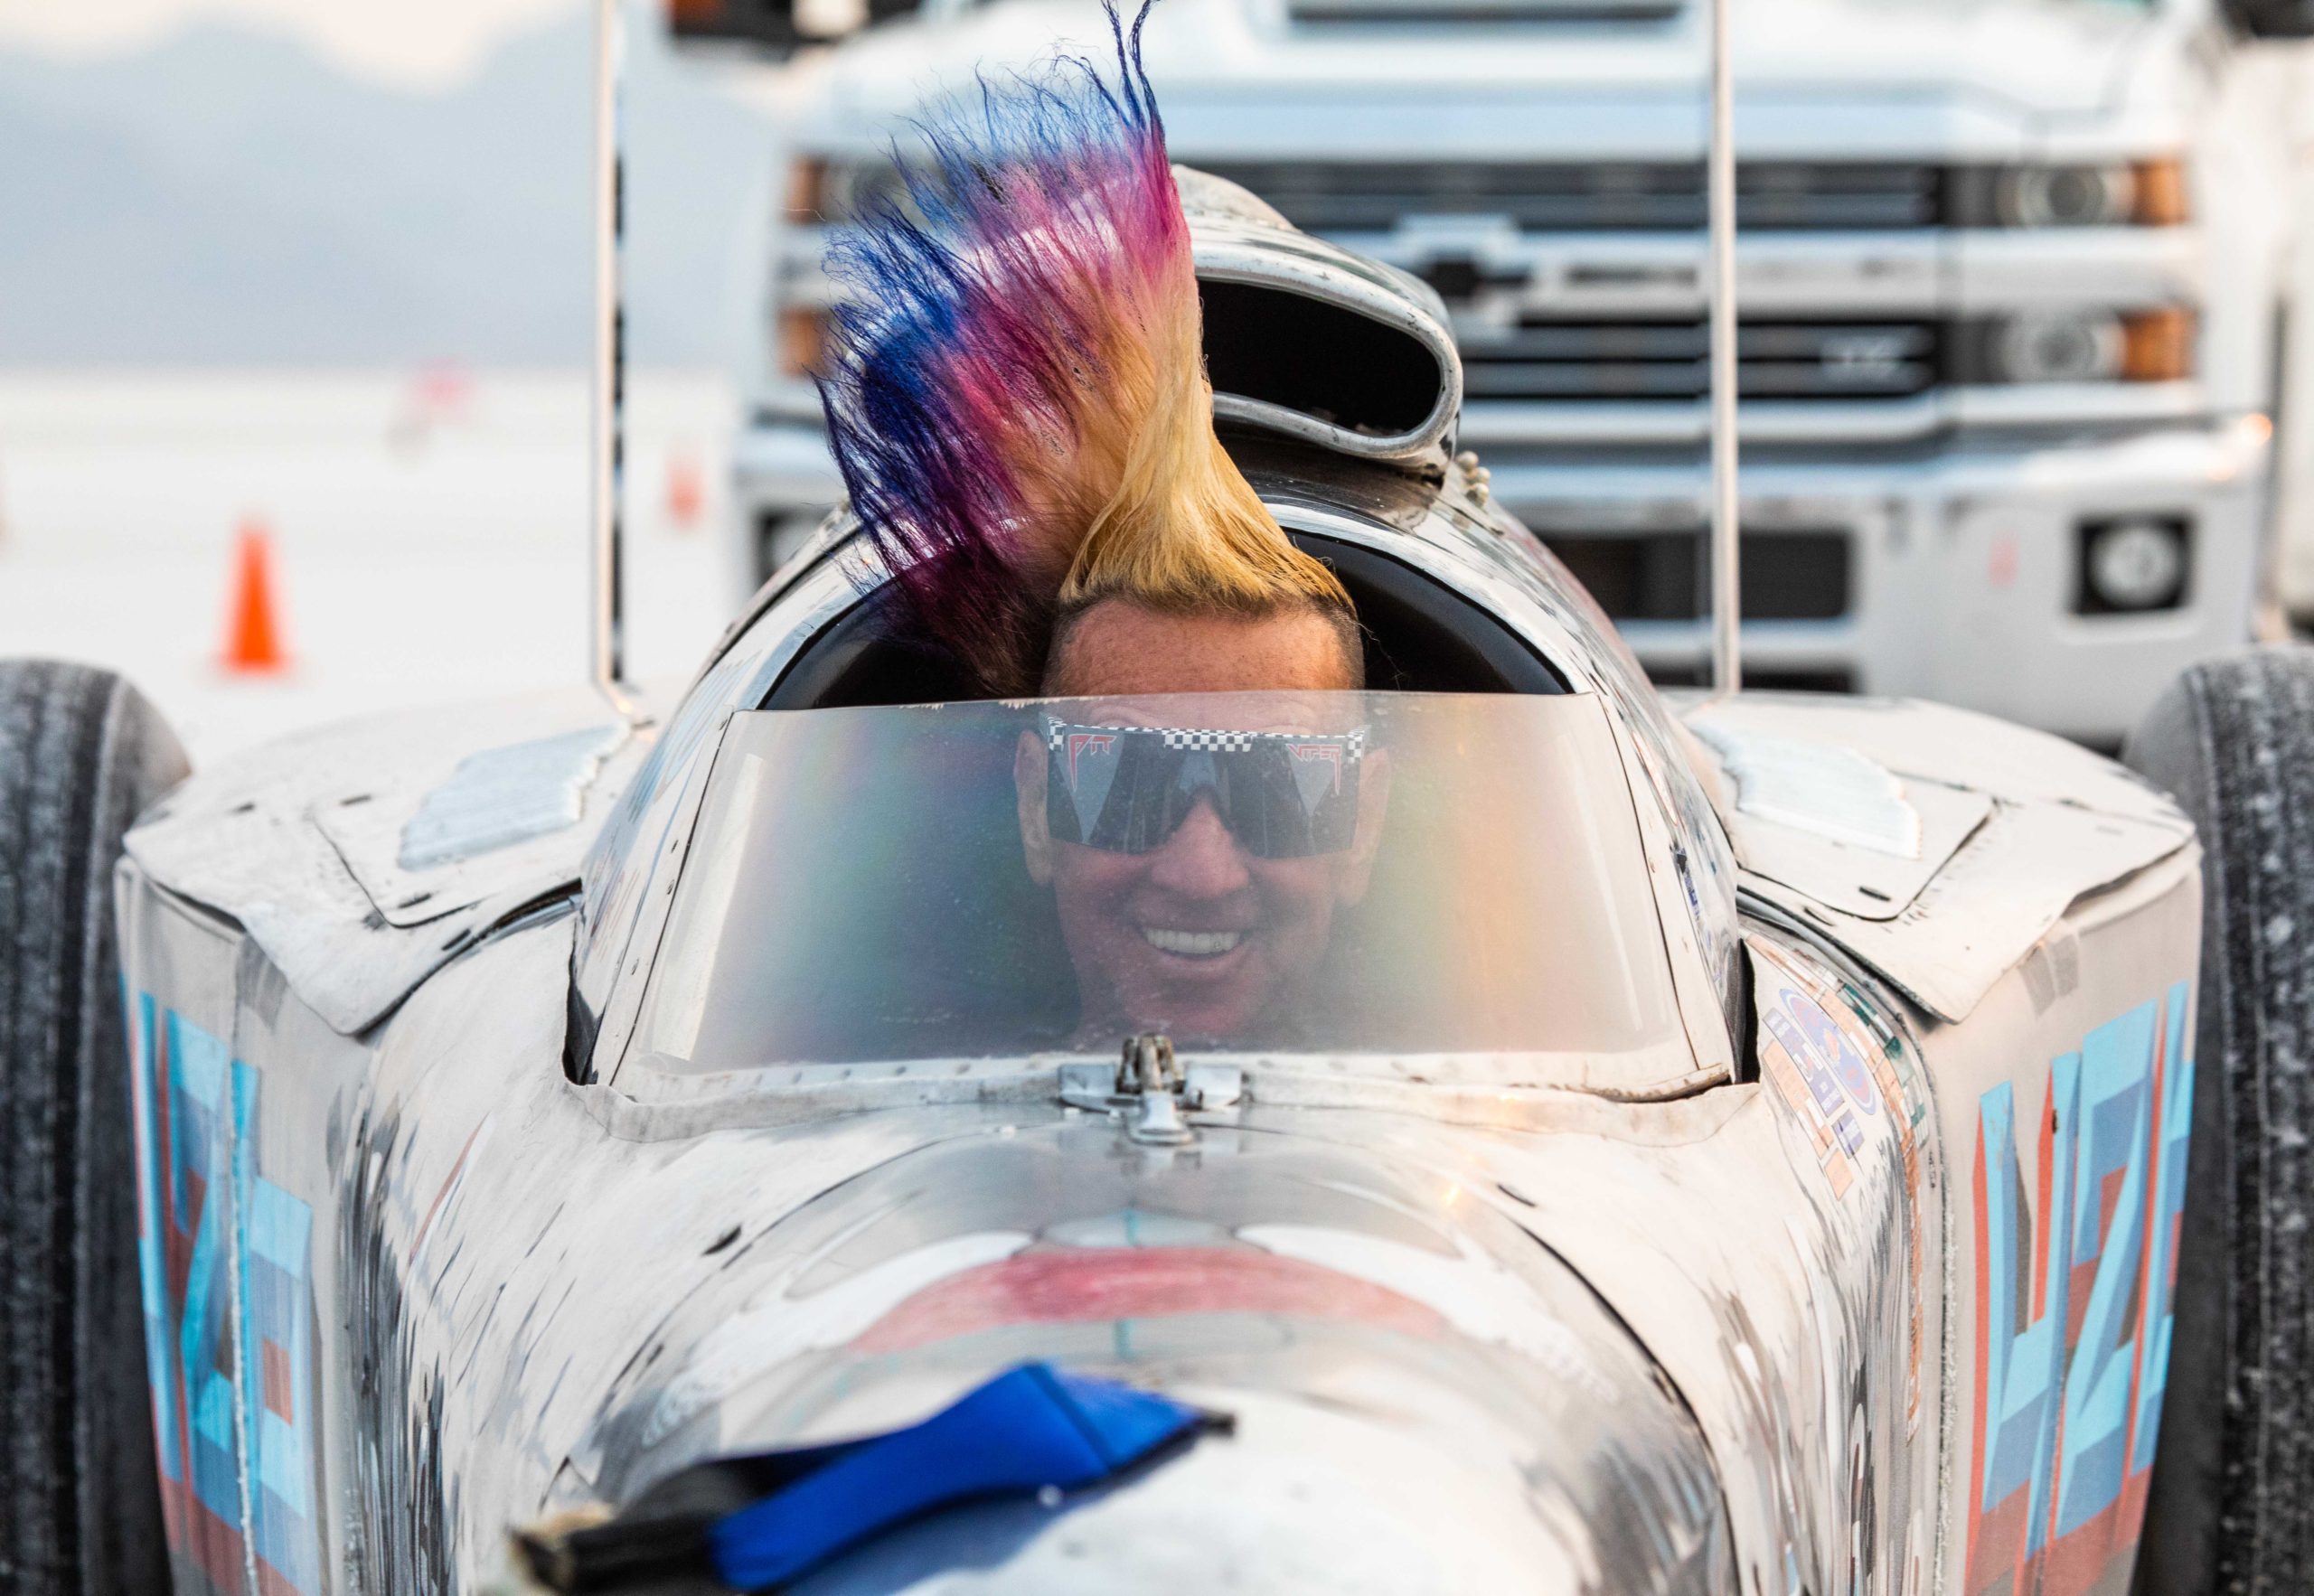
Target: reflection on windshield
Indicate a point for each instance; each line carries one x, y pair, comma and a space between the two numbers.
1335, 872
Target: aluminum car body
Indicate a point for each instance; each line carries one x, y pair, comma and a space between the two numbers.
1871, 1293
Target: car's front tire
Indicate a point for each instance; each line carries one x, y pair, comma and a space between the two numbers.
2231, 1504
80, 753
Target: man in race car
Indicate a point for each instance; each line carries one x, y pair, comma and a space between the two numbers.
1197, 869
1017, 398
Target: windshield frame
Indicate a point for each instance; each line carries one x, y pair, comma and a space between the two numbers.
1671, 1066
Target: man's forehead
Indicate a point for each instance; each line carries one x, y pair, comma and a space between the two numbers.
1123, 650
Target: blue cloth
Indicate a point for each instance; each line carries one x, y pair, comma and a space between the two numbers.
1027, 1430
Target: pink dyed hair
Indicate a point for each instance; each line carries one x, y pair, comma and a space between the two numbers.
1017, 394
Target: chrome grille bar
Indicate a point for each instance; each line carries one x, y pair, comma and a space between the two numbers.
1373, 196
1546, 357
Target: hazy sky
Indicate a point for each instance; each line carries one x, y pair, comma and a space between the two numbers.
416, 43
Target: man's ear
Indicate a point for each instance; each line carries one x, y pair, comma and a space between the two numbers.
1365, 842
1029, 774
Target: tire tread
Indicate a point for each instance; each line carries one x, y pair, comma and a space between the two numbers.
80, 753
2232, 1505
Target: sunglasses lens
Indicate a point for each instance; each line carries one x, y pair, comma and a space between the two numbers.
1145, 807
1308, 799
1128, 789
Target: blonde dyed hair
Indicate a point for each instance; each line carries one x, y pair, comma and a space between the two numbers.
1182, 529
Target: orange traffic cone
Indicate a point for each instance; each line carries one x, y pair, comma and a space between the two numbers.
686, 492
252, 635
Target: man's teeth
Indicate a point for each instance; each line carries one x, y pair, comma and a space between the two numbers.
1196, 944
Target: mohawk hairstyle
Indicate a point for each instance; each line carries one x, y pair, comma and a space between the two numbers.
1016, 389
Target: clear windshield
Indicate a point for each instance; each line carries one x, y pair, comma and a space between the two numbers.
1310, 873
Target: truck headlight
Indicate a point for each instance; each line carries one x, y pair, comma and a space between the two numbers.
2131, 564
2059, 346
2153, 343
2089, 193
2066, 196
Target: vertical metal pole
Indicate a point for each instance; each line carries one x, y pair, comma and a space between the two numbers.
1726, 587
607, 441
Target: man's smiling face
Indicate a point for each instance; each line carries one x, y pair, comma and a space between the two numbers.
1199, 936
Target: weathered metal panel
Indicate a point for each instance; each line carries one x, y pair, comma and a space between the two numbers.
1821, 819
297, 1081
2065, 1100
2057, 822
500, 804
177, 968
302, 841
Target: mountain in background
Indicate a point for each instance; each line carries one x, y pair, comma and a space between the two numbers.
227, 197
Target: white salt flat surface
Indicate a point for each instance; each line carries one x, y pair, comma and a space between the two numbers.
429, 533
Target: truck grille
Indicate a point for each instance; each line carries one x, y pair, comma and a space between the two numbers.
1550, 359
1787, 576
1370, 196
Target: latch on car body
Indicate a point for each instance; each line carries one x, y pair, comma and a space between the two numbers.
1150, 1090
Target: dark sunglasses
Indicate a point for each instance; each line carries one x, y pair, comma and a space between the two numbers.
1125, 789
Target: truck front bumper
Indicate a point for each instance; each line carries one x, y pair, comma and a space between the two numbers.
1956, 574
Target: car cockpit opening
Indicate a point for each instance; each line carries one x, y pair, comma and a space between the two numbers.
1421, 634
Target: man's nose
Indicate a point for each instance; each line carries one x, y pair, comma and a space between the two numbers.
1201, 859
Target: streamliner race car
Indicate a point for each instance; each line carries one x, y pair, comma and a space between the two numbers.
1754, 1143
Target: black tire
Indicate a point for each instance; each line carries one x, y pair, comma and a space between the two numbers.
2232, 1502
80, 753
